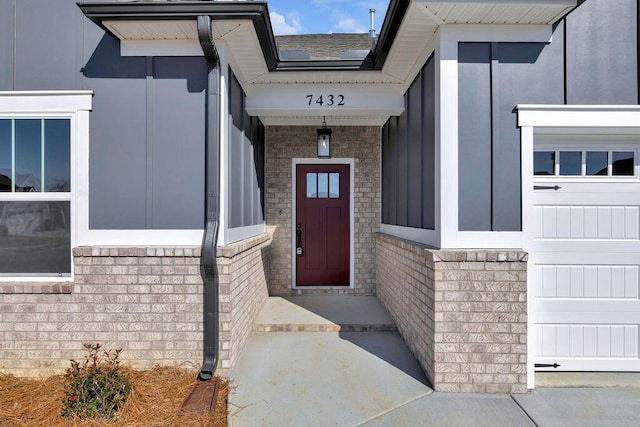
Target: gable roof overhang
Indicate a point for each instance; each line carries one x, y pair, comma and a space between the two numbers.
404, 43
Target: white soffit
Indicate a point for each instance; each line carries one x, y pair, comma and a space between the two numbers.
243, 44
153, 30
529, 12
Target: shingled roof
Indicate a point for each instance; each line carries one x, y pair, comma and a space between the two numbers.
324, 46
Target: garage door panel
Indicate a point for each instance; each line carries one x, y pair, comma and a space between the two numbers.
586, 281
587, 341
587, 222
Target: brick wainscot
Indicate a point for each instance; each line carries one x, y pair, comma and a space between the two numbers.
463, 313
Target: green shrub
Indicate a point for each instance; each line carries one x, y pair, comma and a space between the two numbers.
96, 387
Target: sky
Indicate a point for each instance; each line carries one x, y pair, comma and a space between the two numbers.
325, 16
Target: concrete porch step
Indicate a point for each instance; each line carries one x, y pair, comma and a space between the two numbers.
323, 313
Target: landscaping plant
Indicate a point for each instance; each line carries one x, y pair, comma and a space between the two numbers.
96, 387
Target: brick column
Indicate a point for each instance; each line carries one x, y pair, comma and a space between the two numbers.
462, 312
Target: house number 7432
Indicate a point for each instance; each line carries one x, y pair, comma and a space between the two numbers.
328, 100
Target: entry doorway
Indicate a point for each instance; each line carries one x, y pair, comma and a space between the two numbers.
322, 225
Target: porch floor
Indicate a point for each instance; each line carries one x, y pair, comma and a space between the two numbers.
305, 364
325, 313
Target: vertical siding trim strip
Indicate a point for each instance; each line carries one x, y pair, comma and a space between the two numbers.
13, 155
493, 109
149, 144
42, 154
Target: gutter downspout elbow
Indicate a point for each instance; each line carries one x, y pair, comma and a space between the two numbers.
209, 268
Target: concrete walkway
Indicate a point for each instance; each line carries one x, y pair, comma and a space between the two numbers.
338, 378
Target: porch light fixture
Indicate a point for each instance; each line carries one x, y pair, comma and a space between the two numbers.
324, 141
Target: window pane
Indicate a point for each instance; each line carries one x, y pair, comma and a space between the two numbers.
544, 162
5, 155
35, 238
334, 185
323, 185
570, 163
597, 162
28, 155
312, 190
622, 163
57, 155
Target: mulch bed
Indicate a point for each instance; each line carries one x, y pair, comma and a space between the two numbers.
155, 400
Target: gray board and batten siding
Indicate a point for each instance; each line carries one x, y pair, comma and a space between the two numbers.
147, 126
246, 155
592, 59
408, 168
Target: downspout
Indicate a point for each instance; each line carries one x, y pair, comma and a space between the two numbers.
212, 201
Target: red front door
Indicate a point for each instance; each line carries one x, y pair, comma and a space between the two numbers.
322, 225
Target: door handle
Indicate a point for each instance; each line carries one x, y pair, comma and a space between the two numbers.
547, 187
299, 239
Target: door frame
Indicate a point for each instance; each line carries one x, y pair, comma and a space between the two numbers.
312, 161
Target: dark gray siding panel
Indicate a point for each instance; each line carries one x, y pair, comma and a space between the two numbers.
118, 149
391, 164
386, 179
474, 136
258, 162
246, 157
493, 79
236, 151
49, 43
178, 148
408, 141
527, 73
6, 44
602, 53
428, 148
401, 171
414, 163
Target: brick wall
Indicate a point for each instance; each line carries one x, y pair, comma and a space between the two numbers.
244, 271
479, 312
406, 289
147, 301
283, 143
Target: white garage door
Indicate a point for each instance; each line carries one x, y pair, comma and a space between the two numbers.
585, 255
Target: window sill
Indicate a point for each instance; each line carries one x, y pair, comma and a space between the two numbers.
8, 288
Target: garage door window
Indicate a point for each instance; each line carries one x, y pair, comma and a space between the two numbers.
586, 163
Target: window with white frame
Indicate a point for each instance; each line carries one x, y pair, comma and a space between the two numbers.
35, 196
44, 142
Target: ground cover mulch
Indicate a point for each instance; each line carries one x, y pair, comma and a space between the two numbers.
155, 400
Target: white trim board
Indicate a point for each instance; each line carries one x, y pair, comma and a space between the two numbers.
314, 161
449, 36
419, 235
131, 238
72, 105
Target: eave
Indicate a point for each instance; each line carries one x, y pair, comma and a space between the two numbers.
243, 31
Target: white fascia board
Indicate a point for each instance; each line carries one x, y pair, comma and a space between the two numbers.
497, 33
584, 116
555, 3
241, 233
46, 101
184, 47
324, 100
419, 235
143, 238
